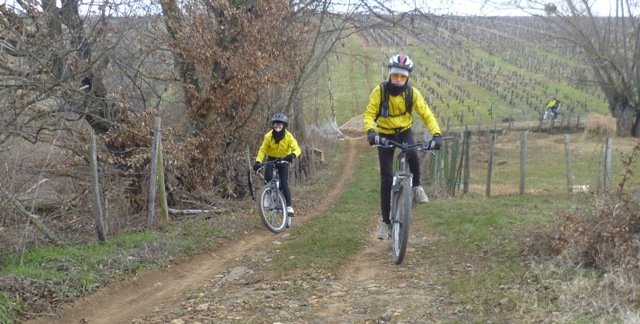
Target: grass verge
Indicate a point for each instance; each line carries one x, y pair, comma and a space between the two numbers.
43, 278
334, 236
482, 251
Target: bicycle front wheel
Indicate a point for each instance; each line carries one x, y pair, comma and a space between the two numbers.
400, 221
273, 209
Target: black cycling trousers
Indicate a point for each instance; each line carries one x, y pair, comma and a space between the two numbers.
283, 171
385, 158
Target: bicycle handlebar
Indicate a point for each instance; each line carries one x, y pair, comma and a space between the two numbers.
421, 146
275, 161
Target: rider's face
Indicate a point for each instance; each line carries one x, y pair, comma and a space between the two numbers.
398, 79
278, 126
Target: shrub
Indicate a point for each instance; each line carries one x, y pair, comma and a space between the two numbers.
604, 235
599, 126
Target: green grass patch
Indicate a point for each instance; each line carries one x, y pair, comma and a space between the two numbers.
483, 235
70, 271
8, 308
54, 263
331, 238
491, 277
475, 224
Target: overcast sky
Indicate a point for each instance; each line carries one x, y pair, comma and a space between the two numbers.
476, 7
479, 8
454, 7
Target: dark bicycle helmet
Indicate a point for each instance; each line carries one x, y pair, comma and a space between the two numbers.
280, 117
400, 63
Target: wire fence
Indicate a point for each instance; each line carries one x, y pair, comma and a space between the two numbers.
521, 162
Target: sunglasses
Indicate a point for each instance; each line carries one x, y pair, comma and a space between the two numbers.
399, 77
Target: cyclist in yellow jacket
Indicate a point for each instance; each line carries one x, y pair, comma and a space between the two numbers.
279, 143
393, 120
554, 105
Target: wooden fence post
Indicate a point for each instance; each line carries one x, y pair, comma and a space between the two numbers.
95, 189
446, 158
467, 161
441, 165
607, 166
453, 166
438, 168
490, 164
162, 194
523, 160
567, 157
153, 177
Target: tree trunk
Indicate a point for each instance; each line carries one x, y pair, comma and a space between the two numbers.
626, 120
635, 129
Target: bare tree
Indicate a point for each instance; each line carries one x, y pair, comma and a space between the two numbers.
51, 69
609, 44
52, 66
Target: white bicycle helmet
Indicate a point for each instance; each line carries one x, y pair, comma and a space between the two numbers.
400, 64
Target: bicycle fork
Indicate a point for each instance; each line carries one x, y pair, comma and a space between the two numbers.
396, 188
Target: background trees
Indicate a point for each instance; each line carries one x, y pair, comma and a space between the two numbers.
215, 71
610, 44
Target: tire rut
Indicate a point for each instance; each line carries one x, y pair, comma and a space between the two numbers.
132, 300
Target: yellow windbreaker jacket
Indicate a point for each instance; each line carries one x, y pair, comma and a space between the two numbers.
286, 146
398, 120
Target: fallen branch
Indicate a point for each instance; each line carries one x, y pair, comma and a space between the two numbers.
193, 211
35, 219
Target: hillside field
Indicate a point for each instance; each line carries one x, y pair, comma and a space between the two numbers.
471, 70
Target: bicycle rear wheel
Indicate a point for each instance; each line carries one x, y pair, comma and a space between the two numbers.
273, 209
400, 221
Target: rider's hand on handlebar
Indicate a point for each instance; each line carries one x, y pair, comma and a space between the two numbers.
437, 141
289, 158
372, 137
257, 166
434, 144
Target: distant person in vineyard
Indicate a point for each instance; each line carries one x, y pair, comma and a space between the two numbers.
389, 115
279, 143
553, 106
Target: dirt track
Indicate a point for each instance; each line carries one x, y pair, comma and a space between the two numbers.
235, 284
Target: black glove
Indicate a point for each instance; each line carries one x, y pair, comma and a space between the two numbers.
289, 158
437, 142
371, 136
257, 166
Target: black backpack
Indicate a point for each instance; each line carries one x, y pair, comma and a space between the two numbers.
384, 101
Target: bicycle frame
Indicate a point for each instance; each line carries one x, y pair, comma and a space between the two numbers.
275, 178
402, 170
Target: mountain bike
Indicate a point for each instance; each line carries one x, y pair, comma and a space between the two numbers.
401, 195
271, 202
549, 115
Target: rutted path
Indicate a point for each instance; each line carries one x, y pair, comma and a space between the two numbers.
369, 289
143, 295
236, 284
